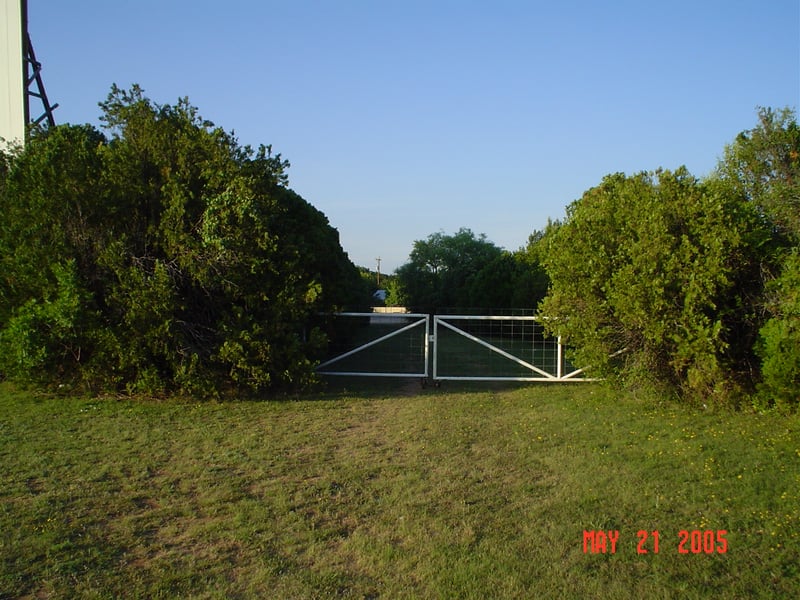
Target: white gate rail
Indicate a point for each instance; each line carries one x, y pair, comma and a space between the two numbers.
419, 319
533, 356
532, 372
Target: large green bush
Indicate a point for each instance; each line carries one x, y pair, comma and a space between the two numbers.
645, 274
686, 284
164, 257
779, 343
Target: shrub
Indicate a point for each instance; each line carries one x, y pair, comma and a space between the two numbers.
644, 278
779, 342
165, 257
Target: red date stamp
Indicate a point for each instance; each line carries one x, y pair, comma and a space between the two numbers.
696, 541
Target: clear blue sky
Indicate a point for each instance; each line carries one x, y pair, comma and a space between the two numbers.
403, 118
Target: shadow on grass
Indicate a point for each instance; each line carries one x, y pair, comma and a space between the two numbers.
335, 387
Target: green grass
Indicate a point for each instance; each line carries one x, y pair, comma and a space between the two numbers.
455, 492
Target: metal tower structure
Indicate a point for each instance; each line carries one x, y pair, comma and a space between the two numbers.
21, 84
34, 87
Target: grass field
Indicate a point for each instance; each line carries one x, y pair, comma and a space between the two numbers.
395, 492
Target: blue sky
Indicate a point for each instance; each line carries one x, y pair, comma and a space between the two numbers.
403, 118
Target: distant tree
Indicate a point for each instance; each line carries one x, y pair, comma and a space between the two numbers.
394, 296
532, 279
164, 257
512, 280
494, 285
370, 287
442, 267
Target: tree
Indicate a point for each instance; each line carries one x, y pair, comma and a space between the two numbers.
646, 273
493, 287
441, 269
532, 281
468, 271
779, 339
689, 284
513, 280
49, 238
369, 281
762, 166
164, 257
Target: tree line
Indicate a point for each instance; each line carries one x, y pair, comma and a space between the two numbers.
157, 254
161, 256
658, 280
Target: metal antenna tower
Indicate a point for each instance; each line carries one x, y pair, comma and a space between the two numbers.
33, 76
34, 86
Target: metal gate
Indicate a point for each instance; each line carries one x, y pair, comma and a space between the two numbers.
378, 345
446, 347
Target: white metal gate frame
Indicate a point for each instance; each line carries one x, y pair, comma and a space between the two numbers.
420, 318
537, 373
430, 339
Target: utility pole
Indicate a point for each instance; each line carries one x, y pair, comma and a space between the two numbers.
379, 271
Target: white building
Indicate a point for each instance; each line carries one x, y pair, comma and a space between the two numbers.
13, 88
